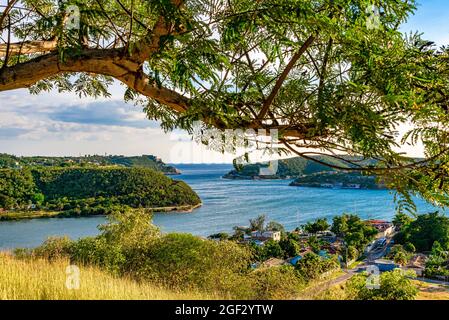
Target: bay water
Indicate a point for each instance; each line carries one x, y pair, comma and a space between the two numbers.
226, 203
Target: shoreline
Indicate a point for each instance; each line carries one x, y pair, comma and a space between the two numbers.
256, 178
29, 215
177, 209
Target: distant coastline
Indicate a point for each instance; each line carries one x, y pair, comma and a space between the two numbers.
235, 176
308, 173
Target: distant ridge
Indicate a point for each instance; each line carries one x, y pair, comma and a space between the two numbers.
293, 168
144, 161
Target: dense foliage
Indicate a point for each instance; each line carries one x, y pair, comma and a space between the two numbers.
17, 188
91, 190
423, 231
312, 266
437, 264
355, 232
316, 226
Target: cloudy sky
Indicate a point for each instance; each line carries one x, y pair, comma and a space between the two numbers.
62, 124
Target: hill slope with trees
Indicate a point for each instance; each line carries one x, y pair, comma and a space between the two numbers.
295, 167
85, 191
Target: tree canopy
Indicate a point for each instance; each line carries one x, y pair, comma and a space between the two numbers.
425, 230
355, 232
329, 75
83, 191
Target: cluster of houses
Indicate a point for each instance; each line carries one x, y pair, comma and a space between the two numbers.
331, 243
340, 186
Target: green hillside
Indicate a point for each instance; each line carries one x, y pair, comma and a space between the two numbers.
335, 179
288, 168
85, 191
144, 161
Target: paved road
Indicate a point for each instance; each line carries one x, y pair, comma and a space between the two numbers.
373, 255
330, 283
378, 253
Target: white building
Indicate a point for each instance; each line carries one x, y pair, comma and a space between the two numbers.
266, 235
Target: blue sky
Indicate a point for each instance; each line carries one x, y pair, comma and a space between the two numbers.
431, 18
63, 124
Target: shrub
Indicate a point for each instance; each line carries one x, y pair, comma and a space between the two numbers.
98, 252
399, 255
274, 283
290, 247
394, 285
183, 260
54, 248
410, 247
272, 249
312, 266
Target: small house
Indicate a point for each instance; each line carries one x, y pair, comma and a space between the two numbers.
293, 261
384, 228
266, 235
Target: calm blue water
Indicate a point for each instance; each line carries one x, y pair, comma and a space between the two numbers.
226, 203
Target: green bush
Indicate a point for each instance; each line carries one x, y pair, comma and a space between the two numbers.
183, 260
54, 248
393, 285
312, 266
98, 252
274, 283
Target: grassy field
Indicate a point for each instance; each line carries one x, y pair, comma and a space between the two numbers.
18, 215
42, 280
427, 291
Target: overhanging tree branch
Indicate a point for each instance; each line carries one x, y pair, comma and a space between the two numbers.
99, 61
27, 47
278, 85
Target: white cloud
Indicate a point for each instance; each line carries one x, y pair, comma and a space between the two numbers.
62, 124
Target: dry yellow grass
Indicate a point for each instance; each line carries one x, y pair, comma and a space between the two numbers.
428, 291
43, 280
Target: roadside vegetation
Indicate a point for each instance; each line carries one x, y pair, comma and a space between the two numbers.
391, 285
426, 234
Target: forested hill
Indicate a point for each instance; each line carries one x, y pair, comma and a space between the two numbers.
145, 161
288, 168
84, 191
